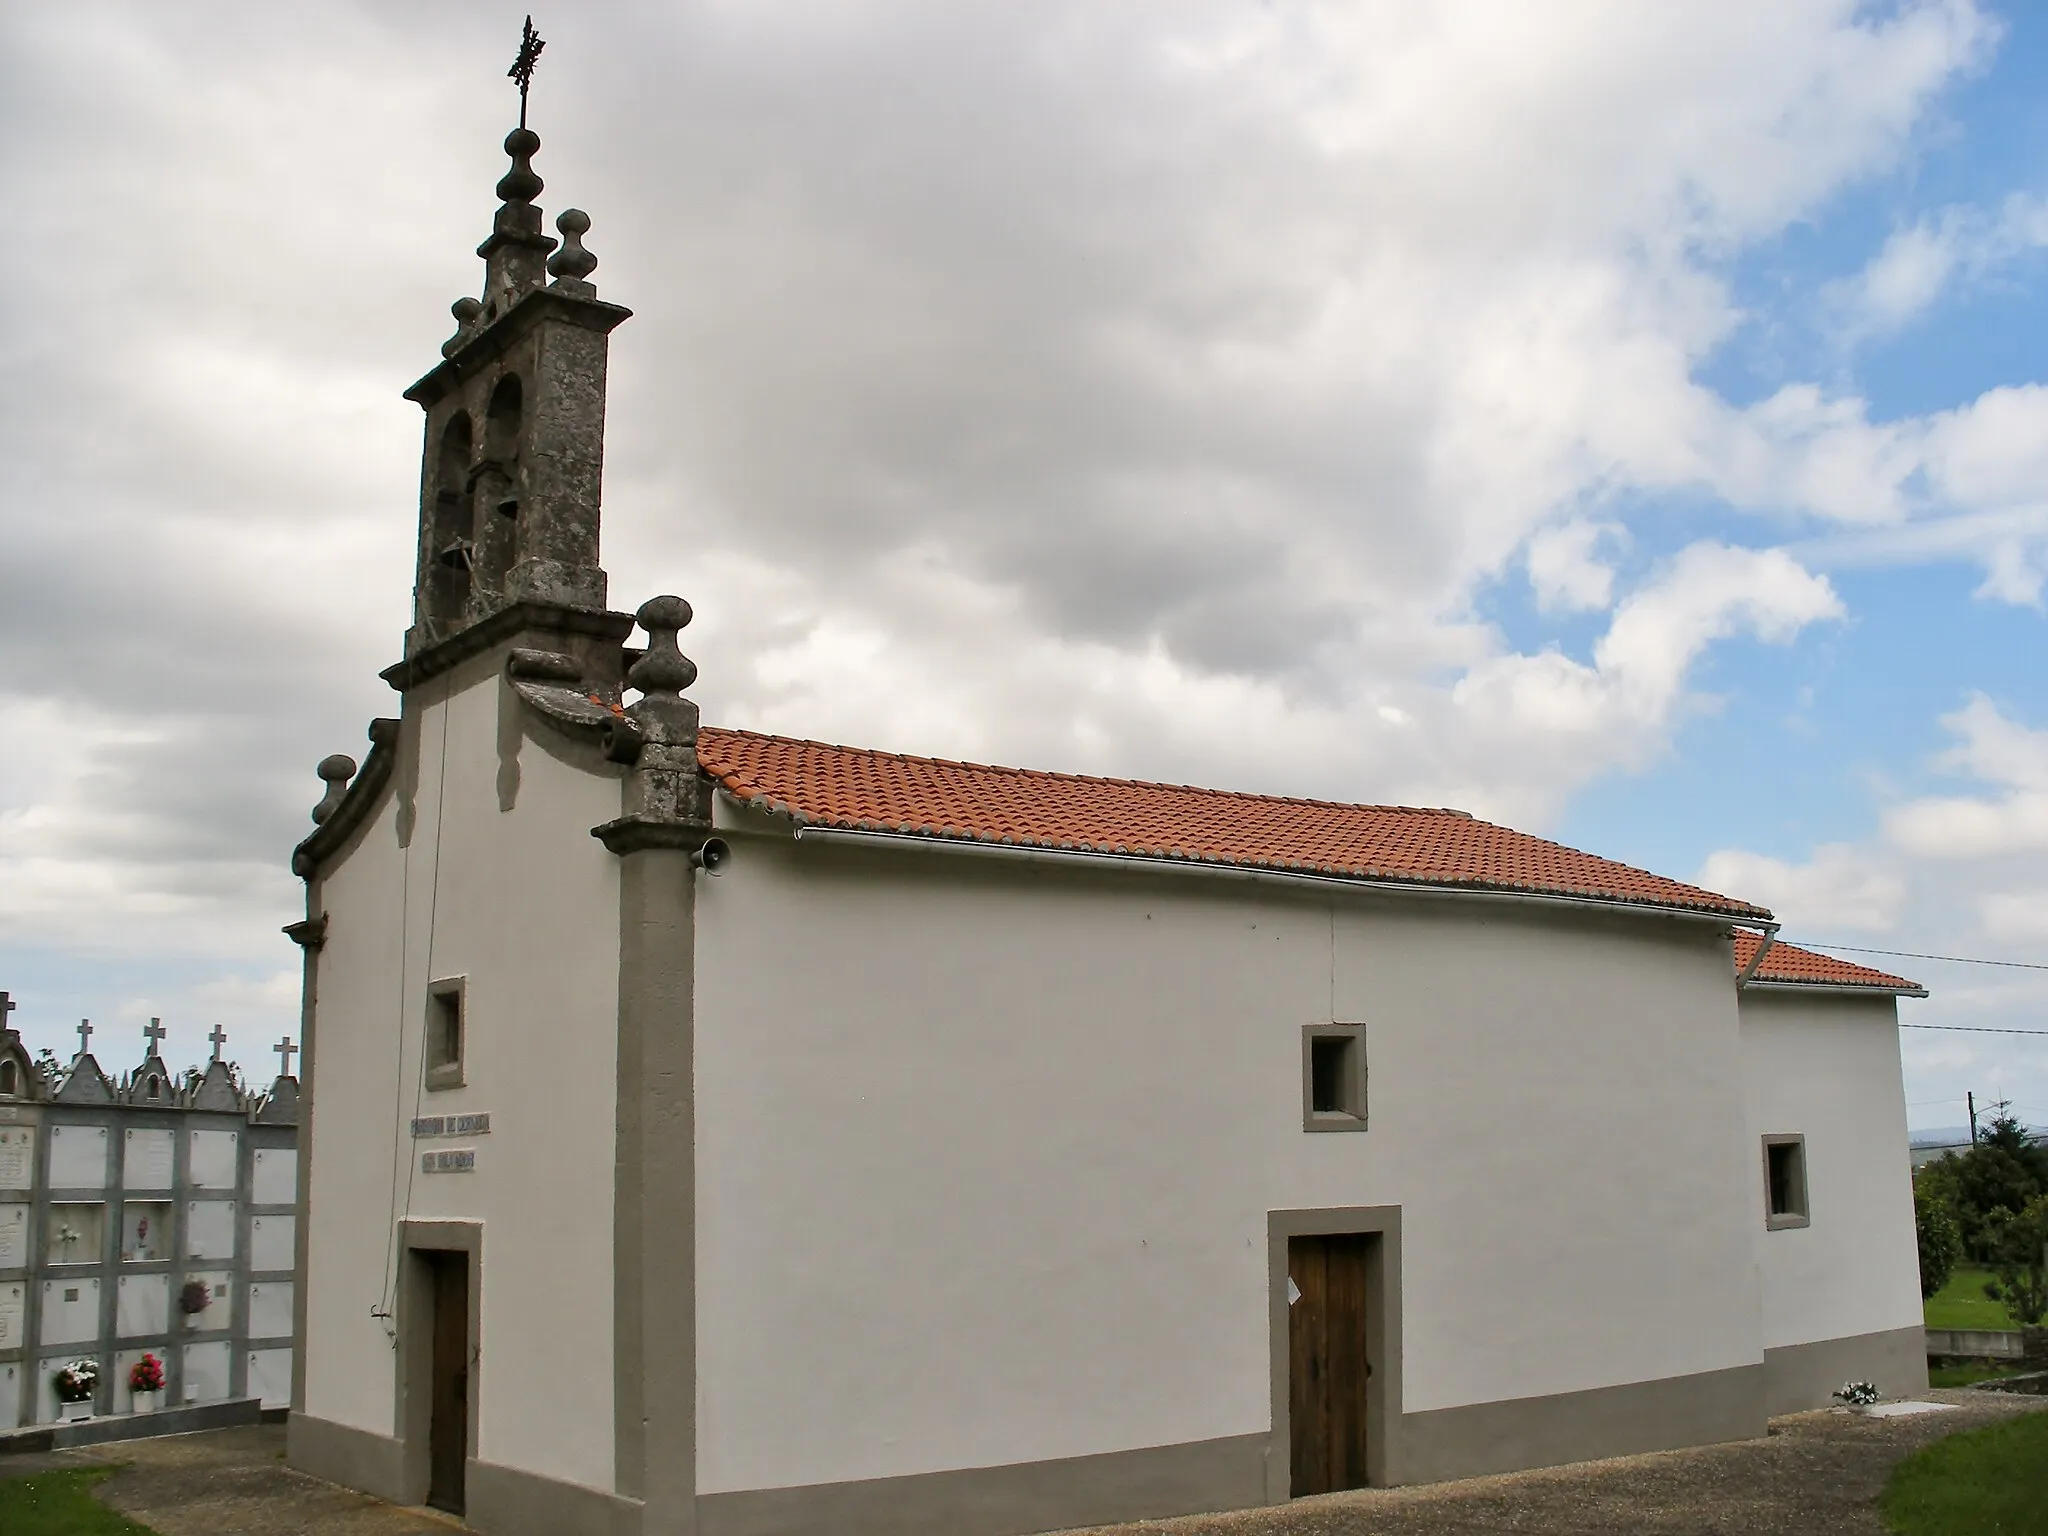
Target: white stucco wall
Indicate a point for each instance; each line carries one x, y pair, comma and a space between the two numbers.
524, 904
1828, 1068
986, 1152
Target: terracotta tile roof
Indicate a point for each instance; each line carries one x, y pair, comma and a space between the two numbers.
857, 789
1804, 967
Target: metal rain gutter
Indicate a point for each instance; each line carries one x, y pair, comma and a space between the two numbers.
1835, 989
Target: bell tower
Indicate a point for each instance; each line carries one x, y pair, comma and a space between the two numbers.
511, 478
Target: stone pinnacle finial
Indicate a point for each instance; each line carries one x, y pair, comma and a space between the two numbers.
664, 671
573, 262
521, 184
465, 310
335, 772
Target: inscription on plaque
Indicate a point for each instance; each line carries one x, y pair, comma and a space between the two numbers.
13, 1237
17, 1158
461, 1160
452, 1125
13, 1311
148, 1160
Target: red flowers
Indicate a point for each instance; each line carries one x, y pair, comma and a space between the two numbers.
146, 1375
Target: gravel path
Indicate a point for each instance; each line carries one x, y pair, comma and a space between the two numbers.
1816, 1474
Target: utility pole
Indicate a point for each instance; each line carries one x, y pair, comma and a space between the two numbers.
1973, 1116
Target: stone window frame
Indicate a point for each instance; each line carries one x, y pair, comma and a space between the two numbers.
1355, 1075
1800, 1214
441, 1069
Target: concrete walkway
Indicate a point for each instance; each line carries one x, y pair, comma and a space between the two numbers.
1817, 1474
232, 1482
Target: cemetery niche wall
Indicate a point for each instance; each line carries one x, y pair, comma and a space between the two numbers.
144, 1214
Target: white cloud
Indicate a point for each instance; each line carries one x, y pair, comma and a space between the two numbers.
1919, 261
2011, 817
1840, 889
1564, 570
1146, 391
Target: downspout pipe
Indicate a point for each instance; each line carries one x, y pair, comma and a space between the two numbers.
1763, 948
1063, 857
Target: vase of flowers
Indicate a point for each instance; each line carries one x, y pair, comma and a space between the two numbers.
146, 1384
194, 1298
75, 1385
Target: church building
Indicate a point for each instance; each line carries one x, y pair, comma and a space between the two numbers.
712, 1132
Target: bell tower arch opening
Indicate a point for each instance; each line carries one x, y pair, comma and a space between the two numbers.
447, 559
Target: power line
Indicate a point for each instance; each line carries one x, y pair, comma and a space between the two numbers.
1915, 954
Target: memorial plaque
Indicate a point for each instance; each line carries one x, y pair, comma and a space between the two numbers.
276, 1176
270, 1309
71, 1312
270, 1376
452, 1125
212, 1160
461, 1161
210, 1229
13, 1237
17, 1158
149, 1158
142, 1306
273, 1242
206, 1371
78, 1157
13, 1314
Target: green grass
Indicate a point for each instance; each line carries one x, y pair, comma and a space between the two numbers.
1962, 1303
1968, 1375
1983, 1482
61, 1504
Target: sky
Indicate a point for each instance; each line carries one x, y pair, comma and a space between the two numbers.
1624, 422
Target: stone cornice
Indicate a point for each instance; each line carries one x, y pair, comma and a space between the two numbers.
492, 341
508, 623
355, 806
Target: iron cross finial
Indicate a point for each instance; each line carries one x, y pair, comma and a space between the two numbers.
530, 45
285, 1050
219, 1037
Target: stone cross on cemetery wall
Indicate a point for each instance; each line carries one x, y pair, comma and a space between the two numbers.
285, 1051
154, 1033
219, 1037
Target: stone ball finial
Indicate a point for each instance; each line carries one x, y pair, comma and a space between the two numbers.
521, 184
663, 670
335, 772
572, 261
465, 310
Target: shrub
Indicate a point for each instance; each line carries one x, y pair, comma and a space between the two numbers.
1941, 1244
2022, 1267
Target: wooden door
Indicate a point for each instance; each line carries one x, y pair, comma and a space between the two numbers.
448, 1427
1327, 1367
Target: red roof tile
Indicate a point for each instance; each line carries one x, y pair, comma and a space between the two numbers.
1803, 967
853, 788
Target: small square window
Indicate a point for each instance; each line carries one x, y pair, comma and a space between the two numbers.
1333, 1077
446, 1030
1785, 1182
